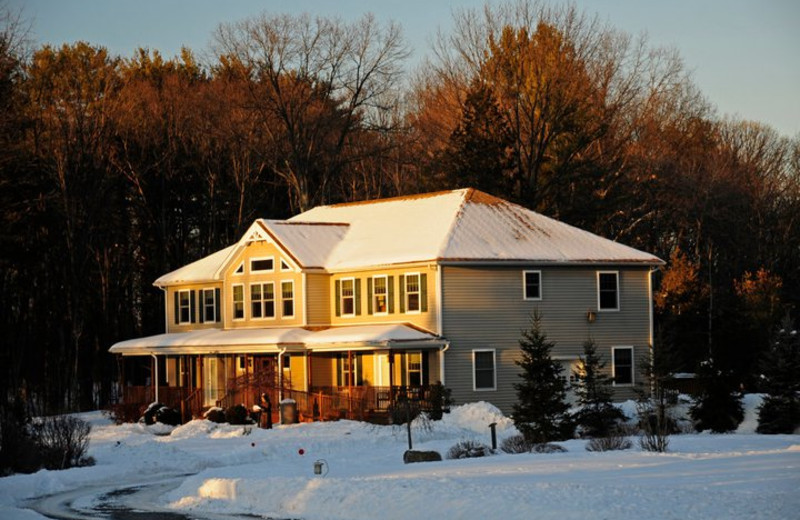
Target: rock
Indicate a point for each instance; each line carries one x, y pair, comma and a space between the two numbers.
421, 456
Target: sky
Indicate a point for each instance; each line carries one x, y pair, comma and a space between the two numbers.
743, 54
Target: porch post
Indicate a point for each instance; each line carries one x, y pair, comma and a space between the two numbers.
391, 376
155, 376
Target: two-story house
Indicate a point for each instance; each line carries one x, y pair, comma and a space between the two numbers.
345, 306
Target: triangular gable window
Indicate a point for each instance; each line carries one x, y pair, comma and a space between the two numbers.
285, 266
240, 269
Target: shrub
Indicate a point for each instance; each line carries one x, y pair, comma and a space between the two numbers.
237, 414
656, 425
778, 414
18, 450
122, 413
597, 416
468, 449
719, 407
546, 447
440, 401
168, 416
149, 415
63, 441
215, 415
403, 410
613, 442
515, 444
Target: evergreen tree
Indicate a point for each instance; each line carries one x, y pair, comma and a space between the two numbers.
719, 407
540, 413
597, 417
780, 411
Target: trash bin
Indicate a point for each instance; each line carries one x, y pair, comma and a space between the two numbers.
288, 411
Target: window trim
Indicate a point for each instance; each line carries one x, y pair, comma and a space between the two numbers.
418, 293
263, 301
293, 299
421, 365
205, 305
494, 370
244, 302
181, 307
614, 366
287, 268
342, 297
525, 285
608, 309
261, 271
239, 271
375, 294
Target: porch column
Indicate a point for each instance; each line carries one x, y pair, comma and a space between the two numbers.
391, 376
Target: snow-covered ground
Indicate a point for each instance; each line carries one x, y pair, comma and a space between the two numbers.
222, 469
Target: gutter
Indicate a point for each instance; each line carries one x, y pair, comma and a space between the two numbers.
444, 349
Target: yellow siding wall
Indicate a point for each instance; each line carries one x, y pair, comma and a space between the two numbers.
319, 301
262, 250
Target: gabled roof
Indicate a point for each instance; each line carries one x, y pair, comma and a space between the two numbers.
448, 226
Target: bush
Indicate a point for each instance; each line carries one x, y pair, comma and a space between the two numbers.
215, 415
468, 450
168, 416
656, 425
149, 415
404, 410
778, 414
18, 450
515, 444
612, 442
122, 413
237, 414
546, 447
440, 401
63, 441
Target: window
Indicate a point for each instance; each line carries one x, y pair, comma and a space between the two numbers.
414, 368
622, 365
348, 297
608, 291
238, 302
184, 307
209, 305
483, 373
380, 292
285, 266
287, 299
262, 300
348, 373
240, 269
412, 293
262, 265
532, 281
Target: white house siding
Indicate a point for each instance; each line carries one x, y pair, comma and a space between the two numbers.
484, 309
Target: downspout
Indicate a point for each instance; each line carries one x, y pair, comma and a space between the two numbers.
280, 373
441, 362
439, 300
155, 379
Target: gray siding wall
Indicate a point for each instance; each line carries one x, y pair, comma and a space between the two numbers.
484, 308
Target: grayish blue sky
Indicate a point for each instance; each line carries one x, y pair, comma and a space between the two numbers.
744, 55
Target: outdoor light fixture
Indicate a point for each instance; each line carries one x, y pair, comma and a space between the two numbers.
591, 316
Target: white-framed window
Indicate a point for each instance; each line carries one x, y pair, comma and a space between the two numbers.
238, 301
608, 290
262, 265
209, 305
262, 300
380, 294
483, 370
285, 266
287, 299
413, 292
239, 270
184, 307
622, 365
414, 368
348, 296
532, 285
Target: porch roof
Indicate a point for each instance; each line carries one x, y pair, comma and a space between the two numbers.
274, 340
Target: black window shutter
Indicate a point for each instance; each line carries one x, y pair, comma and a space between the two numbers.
359, 369
423, 283
217, 304
357, 283
369, 295
177, 307
339, 363
192, 307
201, 304
390, 283
402, 293
403, 371
338, 298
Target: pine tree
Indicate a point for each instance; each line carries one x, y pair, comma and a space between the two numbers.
780, 411
719, 406
541, 412
597, 417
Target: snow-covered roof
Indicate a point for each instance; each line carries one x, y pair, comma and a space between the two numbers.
272, 340
458, 225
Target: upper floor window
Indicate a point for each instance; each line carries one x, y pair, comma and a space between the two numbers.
483, 369
185, 306
380, 295
262, 265
608, 291
348, 297
238, 302
287, 299
285, 266
240, 269
209, 305
622, 366
413, 293
532, 285
262, 300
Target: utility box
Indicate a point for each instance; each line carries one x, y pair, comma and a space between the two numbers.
288, 411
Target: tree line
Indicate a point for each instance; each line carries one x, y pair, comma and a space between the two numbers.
115, 170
